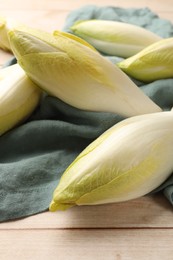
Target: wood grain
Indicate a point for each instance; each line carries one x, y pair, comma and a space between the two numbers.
155, 212
160, 5
87, 244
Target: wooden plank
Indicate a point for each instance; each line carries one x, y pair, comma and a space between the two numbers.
160, 5
149, 211
53, 11
166, 15
48, 20
86, 244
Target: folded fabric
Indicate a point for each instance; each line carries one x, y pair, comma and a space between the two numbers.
33, 156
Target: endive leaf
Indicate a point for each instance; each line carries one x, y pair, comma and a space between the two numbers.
127, 161
19, 96
71, 71
114, 38
7, 24
75, 38
4, 42
153, 63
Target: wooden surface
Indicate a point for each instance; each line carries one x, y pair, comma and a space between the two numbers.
134, 230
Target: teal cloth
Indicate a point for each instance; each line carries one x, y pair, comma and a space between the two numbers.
33, 156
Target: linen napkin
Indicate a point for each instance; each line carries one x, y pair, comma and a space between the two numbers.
34, 155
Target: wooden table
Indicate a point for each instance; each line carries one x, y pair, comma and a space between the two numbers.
136, 230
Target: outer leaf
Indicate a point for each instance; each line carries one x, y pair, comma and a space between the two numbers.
114, 38
153, 63
78, 75
127, 161
4, 42
19, 96
73, 37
